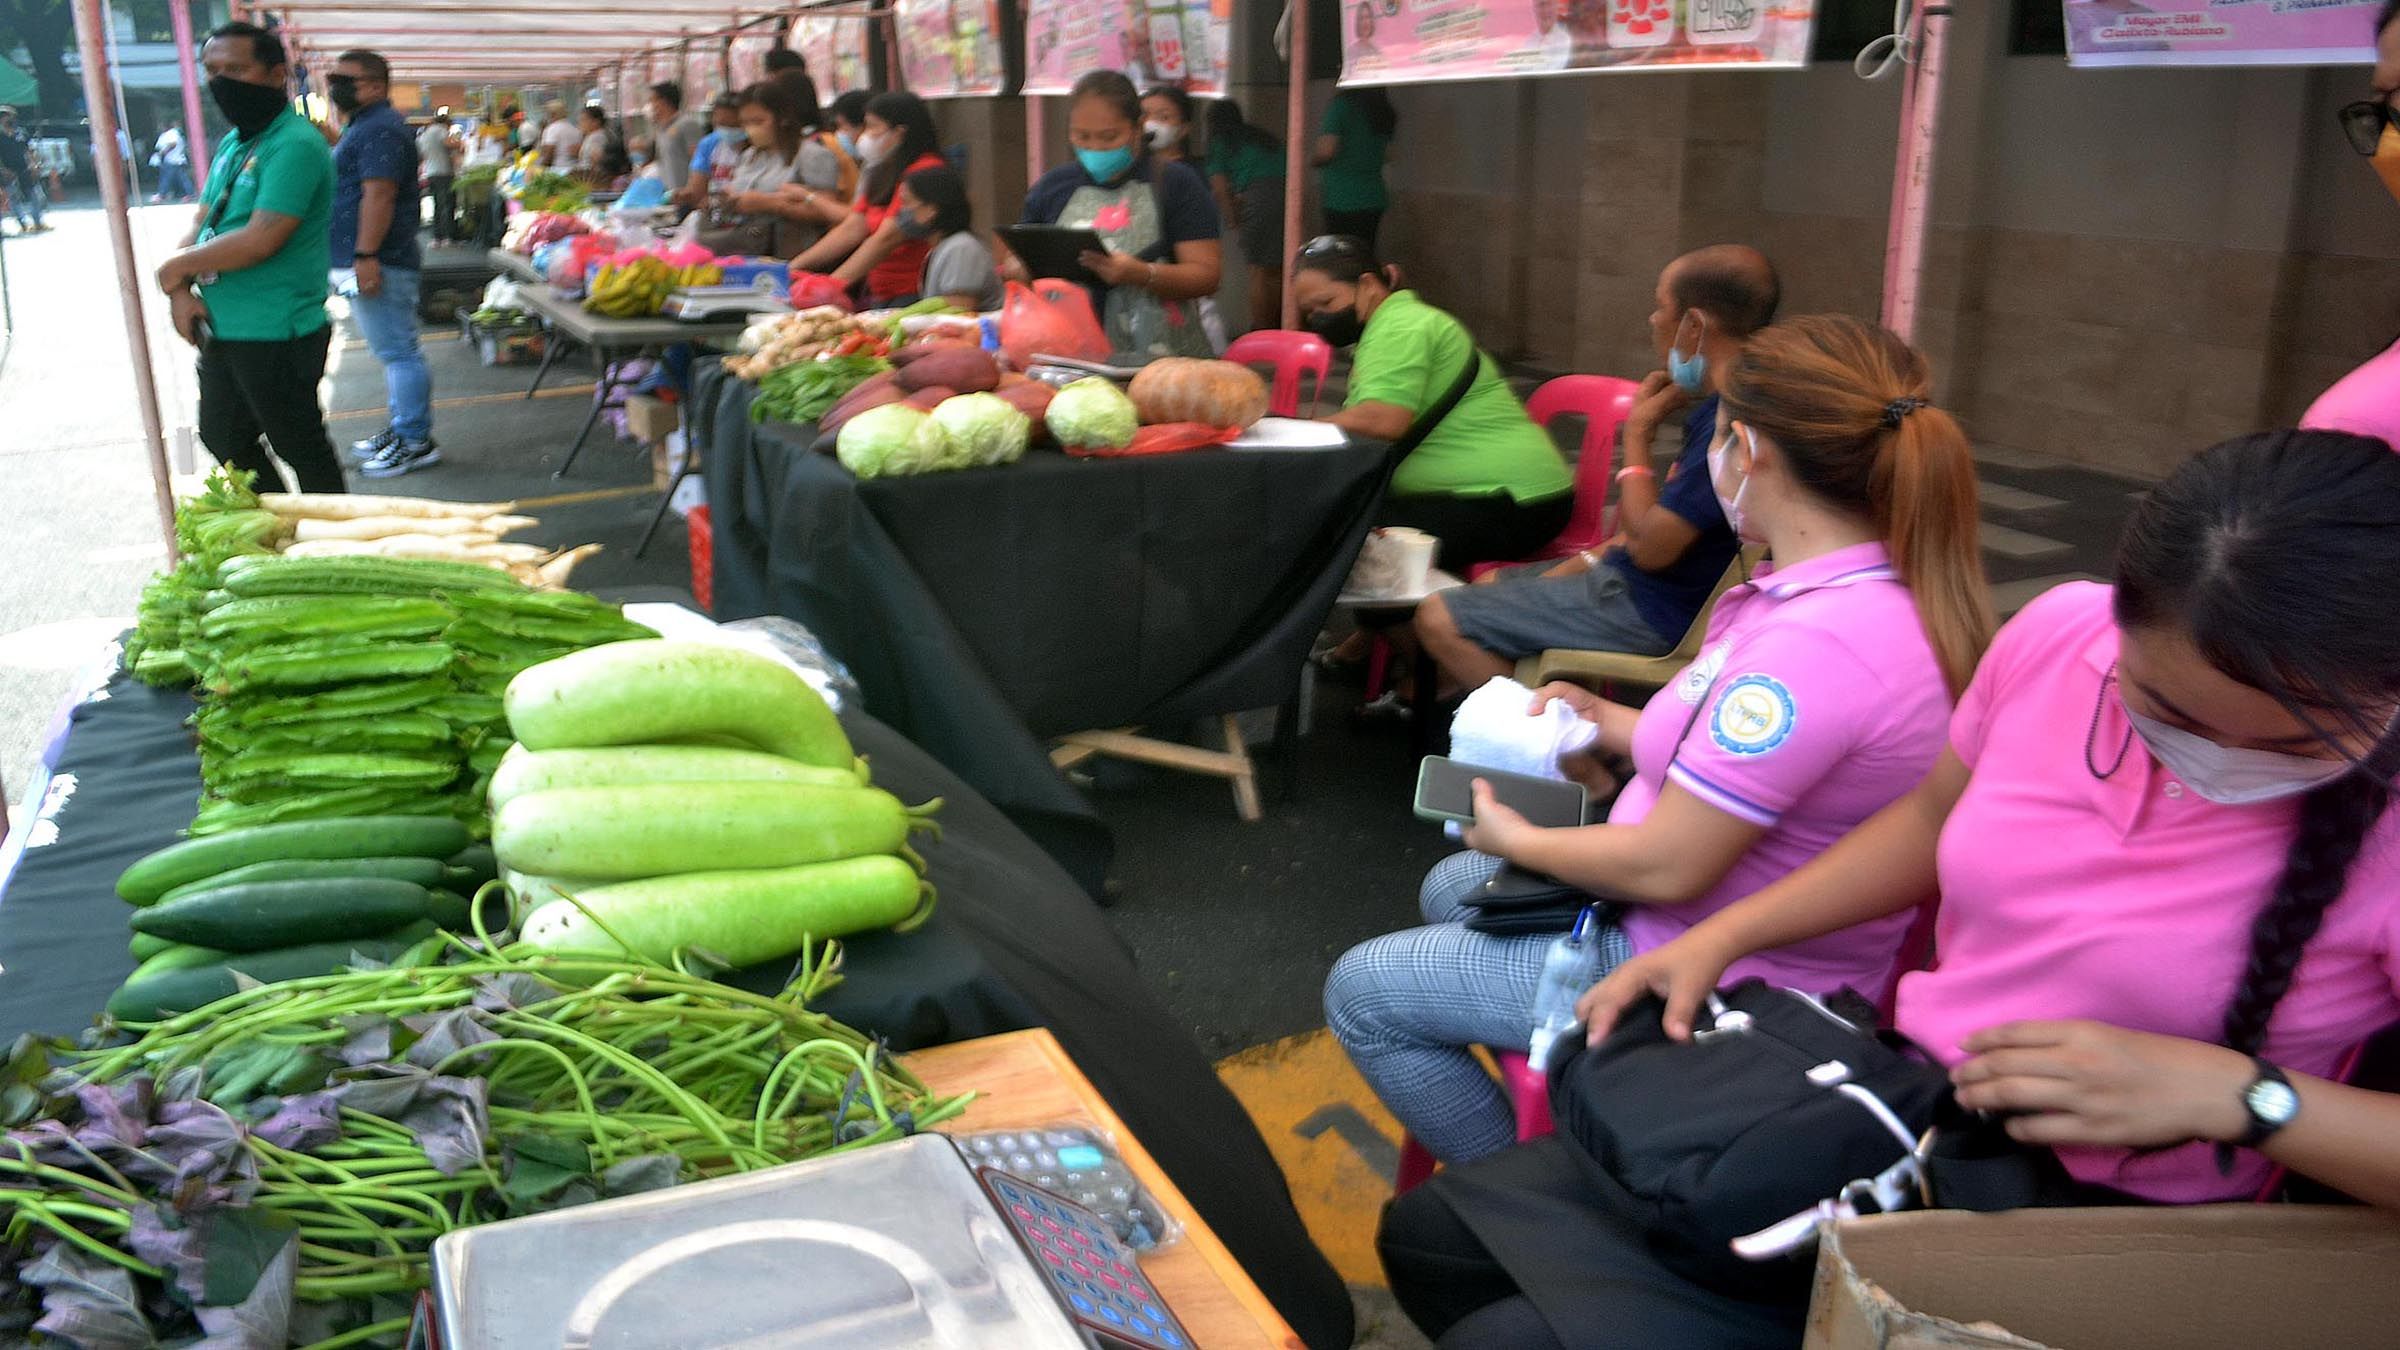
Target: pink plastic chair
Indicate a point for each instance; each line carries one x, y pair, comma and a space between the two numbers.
1604, 401
1293, 354
1528, 1095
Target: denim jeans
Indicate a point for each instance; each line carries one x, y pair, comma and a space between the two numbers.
26, 198
1407, 1006
388, 321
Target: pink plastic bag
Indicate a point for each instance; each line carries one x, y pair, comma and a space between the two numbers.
1052, 318
812, 289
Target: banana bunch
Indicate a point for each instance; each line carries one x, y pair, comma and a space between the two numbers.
632, 291
700, 274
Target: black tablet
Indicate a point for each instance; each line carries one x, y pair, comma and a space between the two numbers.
1052, 250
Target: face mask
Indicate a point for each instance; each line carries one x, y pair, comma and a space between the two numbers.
1340, 327
915, 228
1690, 373
2387, 159
1717, 455
848, 142
2232, 775
870, 147
1105, 166
249, 107
640, 159
1162, 134
343, 90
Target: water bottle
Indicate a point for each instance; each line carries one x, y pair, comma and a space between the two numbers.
1569, 969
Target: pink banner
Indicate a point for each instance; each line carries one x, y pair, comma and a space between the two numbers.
747, 58
836, 52
2226, 33
703, 73
1177, 42
1385, 42
951, 48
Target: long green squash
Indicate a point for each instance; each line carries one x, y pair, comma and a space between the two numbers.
739, 917
526, 771
654, 689
656, 829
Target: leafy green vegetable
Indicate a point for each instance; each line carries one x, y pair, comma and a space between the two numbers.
1093, 413
888, 441
982, 429
807, 390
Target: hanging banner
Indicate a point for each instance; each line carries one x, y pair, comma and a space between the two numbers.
1388, 42
2104, 33
1179, 42
746, 59
703, 73
836, 52
633, 87
950, 48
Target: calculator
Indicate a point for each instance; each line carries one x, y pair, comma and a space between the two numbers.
1075, 1162
1098, 1281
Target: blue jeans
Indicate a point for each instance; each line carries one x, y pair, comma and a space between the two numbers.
174, 181
1408, 1006
388, 322
26, 198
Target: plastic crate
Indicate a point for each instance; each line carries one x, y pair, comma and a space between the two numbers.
703, 551
505, 344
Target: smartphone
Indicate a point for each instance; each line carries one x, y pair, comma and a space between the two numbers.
1445, 791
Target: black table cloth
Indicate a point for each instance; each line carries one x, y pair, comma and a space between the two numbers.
1012, 943
986, 610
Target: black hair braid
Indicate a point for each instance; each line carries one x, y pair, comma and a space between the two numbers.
2335, 821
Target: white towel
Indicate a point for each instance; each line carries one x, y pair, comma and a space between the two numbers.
1492, 730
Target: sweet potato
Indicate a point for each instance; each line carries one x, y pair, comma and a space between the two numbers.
969, 370
920, 348
831, 423
930, 397
1031, 398
1010, 379
857, 399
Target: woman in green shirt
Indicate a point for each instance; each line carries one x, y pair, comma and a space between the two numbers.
1484, 480
1349, 151
1245, 166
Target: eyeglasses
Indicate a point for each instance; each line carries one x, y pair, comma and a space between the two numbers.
2363, 122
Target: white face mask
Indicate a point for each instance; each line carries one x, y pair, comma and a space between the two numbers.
1717, 455
2233, 775
1161, 134
870, 146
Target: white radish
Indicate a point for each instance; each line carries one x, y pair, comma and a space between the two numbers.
308, 529
552, 575
351, 505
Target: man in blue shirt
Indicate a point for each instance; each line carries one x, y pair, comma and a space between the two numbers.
725, 132
1642, 592
374, 231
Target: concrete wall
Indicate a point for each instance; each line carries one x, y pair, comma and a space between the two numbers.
2126, 265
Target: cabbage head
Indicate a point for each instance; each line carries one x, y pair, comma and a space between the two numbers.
982, 429
886, 441
1092, 413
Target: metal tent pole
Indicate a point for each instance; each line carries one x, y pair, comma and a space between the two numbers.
91, 41
1295, 156
1912, 175
195, 130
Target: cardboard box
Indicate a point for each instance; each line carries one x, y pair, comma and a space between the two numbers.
2138, 1278
651, 420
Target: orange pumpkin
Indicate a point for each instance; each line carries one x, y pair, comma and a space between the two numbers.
1181, 389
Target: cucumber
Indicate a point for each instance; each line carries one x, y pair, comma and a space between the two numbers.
477, 861
743, 917
451, 911
524, 771
168, 992
144, 946
653, 830
426, 872
176, 956
343, 837
645, 690
261, 915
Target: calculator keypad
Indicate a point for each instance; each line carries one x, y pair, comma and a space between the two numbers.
1095, 1273
1074, 1163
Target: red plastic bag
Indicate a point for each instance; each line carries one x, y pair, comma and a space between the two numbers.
1165, 438
811, 289
1050, 318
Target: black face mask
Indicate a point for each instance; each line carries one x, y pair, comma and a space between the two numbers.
1341, 327
249, 107
343, 90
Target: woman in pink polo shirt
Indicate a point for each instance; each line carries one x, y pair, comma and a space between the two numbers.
1820, 696
2170, 894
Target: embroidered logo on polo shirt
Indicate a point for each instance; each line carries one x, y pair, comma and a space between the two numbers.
1703, 673
1755, 715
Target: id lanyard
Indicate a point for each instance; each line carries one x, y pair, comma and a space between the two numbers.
216, 213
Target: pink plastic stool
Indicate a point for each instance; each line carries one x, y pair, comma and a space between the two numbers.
1604, 401
1528, 1095
1293, 354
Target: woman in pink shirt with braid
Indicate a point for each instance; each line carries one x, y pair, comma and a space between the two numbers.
2169, 880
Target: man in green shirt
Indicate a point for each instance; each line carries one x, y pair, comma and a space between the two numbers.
1350, 149
247, 287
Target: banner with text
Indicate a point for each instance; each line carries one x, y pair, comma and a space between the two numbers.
1391, 42
836, 52
1179, 42
2225, 33
950, 48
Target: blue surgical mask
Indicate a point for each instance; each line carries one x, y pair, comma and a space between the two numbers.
1690, 373
1105, 166
849, 143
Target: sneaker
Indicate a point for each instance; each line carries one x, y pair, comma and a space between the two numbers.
402, 457
374, 445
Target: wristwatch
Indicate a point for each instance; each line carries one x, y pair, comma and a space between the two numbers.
2271, 1102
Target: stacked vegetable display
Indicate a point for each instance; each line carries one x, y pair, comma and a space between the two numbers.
681, 796
273, 1168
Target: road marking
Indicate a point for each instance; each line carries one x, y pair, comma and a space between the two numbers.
1335, 1142
587, 495
2008, 498
466, 401
2010, 543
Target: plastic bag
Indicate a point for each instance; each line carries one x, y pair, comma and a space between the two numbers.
1052, 318
1163, 438
811, 289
